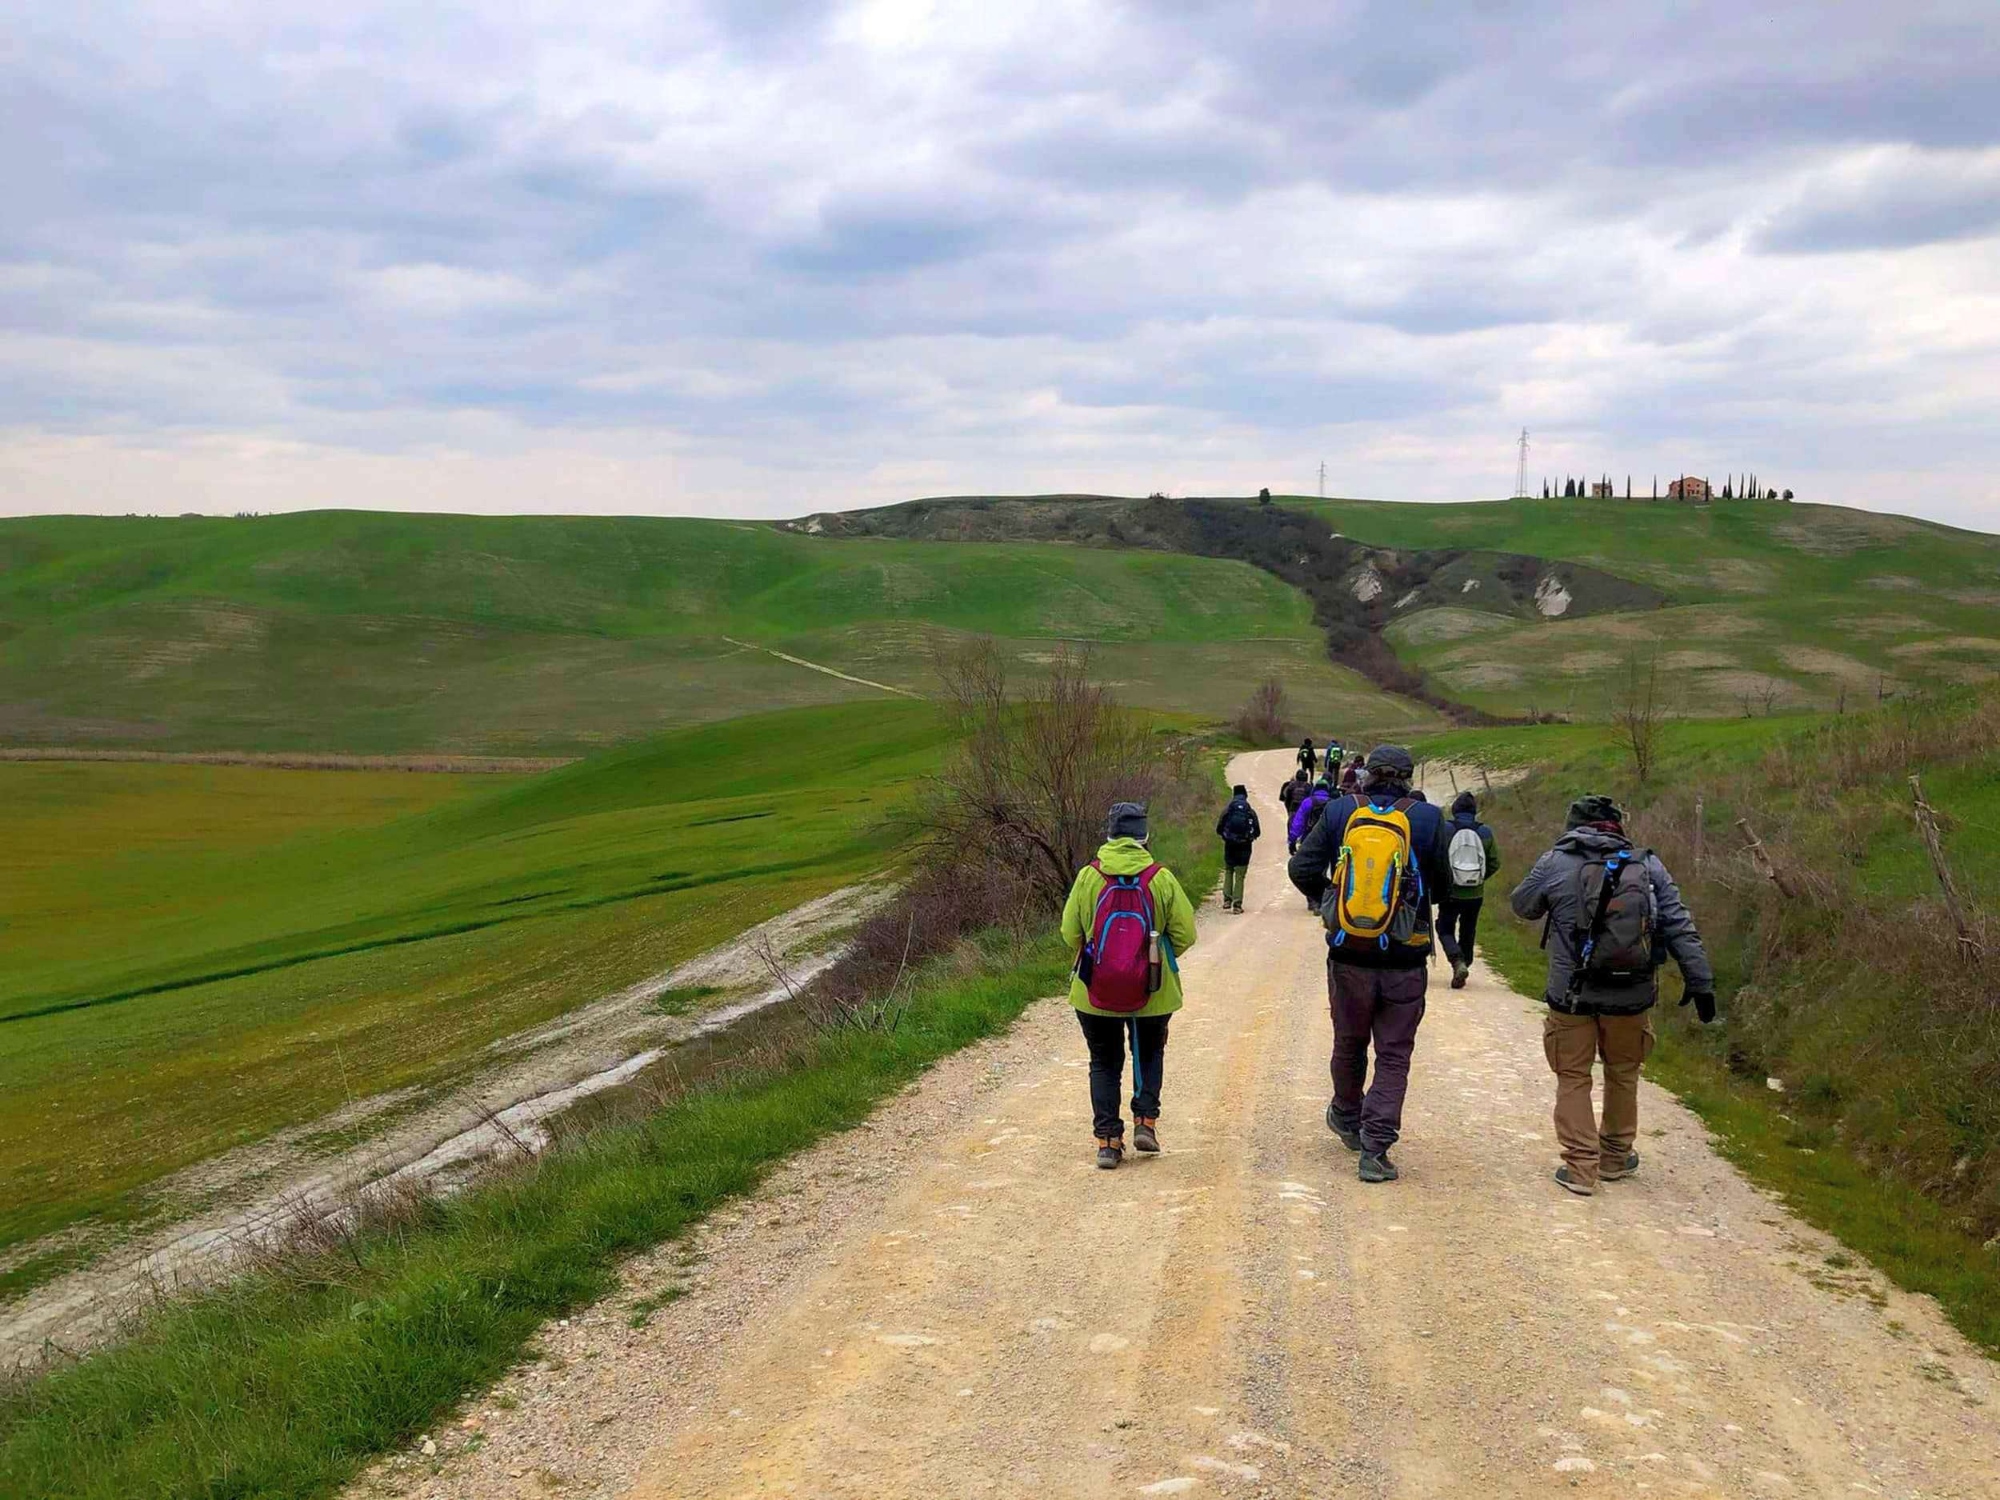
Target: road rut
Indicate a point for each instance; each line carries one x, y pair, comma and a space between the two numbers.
954, 1302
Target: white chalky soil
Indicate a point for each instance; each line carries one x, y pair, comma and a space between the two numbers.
953, 1301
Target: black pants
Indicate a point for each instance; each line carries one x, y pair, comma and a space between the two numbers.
1106, 1037
1457, 922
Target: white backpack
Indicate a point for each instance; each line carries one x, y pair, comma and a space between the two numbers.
1467, 854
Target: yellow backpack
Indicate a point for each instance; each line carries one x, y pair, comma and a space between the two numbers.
1377, 891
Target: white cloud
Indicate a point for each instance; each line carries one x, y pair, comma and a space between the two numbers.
779, 255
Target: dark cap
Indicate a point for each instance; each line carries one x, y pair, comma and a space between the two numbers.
1393, 761
1127, 820
1465, 802
1595, 808
1240, 790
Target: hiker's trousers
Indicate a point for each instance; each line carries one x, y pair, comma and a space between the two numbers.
1232, 884
1383, 1007
1573, 1043
1457, 922
1107, 1037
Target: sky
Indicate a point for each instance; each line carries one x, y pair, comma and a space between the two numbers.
769, 257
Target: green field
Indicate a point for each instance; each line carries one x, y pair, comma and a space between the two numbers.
200, 955
1777, 606
373, 633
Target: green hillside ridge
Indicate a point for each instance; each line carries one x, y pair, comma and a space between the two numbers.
365, 632
199, 955
1776, 606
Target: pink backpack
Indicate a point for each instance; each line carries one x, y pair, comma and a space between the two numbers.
1114, 963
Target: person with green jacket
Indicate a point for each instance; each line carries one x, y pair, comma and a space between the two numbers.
1086, 926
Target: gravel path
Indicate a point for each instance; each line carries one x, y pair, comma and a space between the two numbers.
953, 1301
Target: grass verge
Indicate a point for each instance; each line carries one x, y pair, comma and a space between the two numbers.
285, 1382
1802, 1150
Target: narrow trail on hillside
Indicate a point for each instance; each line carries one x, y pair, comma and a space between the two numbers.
952, 1301
821, 667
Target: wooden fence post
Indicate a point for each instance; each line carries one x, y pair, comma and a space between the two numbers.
1927, 827
1700, 813
1761, 858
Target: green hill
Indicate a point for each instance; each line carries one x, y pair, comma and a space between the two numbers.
364, 632
1770, 605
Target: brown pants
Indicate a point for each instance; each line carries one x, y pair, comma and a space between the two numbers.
1573, 1043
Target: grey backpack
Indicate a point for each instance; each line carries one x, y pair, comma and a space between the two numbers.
1615, 897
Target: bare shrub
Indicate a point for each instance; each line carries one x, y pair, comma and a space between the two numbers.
1640, 713
1262, 720
1025, 794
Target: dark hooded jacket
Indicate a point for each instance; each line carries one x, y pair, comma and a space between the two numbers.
1552, 892
1311, 869
1463, 815
1237, 851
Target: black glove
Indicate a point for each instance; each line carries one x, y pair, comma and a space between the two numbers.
1704, 1004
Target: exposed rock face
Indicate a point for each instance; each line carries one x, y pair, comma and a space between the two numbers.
1551, 597
1368, 585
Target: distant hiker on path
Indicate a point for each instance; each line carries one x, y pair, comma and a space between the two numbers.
1612, 915
1238, 829
1128, 921
1304, 816
1291, 796
1308, 761
1370, 864
1474, 859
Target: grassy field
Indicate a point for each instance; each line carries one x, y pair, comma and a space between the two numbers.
364, 632
285, 1382
1887, 1134
1776, 606
200, 955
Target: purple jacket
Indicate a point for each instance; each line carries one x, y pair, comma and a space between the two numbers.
1307, 813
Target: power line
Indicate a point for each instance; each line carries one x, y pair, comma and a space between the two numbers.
1322, 479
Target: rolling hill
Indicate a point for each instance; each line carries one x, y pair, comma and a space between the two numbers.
382, 633
1538, 607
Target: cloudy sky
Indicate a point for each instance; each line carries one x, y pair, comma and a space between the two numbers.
772, 256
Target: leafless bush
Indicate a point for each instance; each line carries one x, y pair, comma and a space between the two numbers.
1262, 720
1026, 793
1640, 713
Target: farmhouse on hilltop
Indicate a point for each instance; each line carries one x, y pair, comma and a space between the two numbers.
1685, 488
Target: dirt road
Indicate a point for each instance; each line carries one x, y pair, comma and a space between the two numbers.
955, 1302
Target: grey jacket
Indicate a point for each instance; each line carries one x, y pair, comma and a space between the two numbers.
1550, 891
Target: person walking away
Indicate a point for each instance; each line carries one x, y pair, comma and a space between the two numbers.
1473, 858
1290, 796
1238, 829
1611, 917
1332, 758
1350, 779
1128, 921
1308, 761
1303, 818
1371, 865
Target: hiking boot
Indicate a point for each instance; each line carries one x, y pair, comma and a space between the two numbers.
1575, 1184
1627, 1168
1110, 1152
1459, 972
1376, 1167
1349, 1137
1144, 1137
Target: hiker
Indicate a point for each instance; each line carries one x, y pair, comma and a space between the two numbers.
1308, 761
1128, 921
1350, 779
1304, 816
1371, 865
1611, 916
1238, 829
1473, 858
1290, 795
1331, 758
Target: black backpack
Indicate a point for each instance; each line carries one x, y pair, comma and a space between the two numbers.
1615, 893
1236, 823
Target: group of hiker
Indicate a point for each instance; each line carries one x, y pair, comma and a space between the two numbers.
1392, 878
